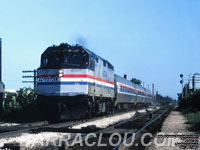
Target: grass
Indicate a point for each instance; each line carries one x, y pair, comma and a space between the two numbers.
194, 120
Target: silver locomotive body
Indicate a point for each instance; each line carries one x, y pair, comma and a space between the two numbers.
75, 81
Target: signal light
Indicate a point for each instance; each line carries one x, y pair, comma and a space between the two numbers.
60, 73
181, 81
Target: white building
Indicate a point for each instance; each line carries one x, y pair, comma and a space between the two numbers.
194, 81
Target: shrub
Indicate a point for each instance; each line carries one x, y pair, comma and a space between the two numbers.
19, 100
190, 101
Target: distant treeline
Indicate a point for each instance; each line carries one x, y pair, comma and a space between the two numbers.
163, 100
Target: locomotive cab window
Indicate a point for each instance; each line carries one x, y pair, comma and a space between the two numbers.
65, 59
45, 61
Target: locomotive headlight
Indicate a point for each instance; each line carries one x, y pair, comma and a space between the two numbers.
60, 73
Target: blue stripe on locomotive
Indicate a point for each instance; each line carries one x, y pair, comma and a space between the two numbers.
74, 83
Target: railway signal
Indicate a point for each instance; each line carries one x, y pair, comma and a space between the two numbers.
34, 77
182, 82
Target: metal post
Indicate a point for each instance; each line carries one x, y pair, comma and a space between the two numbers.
144, 83
182, 88
0, 62
186, 89
148, 86
2, 86
35, 78
153, 92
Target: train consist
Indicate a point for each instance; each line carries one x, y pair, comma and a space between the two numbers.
73, 82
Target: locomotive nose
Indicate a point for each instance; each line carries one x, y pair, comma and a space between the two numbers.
59, 82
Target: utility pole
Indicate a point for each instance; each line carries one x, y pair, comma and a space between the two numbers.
148, 86
2, 86
143, 83
153, 95
186, 89
34, 77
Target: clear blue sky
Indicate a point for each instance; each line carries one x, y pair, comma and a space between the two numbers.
152, 40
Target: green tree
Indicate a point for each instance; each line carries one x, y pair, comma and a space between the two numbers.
136, 81
191, 100
19, 100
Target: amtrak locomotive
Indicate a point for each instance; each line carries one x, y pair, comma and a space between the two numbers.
73, 82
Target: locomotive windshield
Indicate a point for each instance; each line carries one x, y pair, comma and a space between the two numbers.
65, 59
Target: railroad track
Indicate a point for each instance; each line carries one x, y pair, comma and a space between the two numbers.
14, 127
132, 128
17, 131
66, 128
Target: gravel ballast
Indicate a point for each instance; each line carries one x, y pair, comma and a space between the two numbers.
41, 139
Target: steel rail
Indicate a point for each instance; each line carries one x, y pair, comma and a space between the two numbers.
115, 125
84, 137
63, 124
120, 123
66, 124
28, 130
17, 127
141, 129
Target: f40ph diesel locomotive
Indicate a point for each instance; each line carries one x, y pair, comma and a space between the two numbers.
73, 82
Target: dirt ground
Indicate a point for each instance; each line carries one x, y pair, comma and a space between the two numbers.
174, 125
